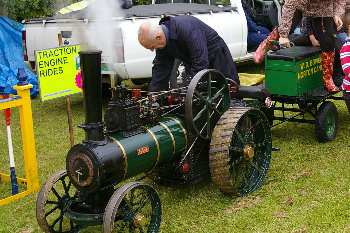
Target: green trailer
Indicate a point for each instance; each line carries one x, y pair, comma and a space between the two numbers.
294, 78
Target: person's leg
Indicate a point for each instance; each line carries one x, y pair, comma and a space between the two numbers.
297, 17
255, 38
221, 60
338, 74
263, 30
301, 40
259, 54
341, 36
324, 31
159, 84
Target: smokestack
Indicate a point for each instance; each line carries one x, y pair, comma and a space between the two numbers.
90, 62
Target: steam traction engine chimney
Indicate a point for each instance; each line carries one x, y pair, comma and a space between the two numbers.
90, 62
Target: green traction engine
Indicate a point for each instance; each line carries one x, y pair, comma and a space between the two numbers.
210, 129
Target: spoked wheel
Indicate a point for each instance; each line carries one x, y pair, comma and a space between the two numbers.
56, 193
240, 151
134, 207
207, 98
326, 122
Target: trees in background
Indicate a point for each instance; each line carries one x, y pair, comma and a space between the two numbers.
25, 9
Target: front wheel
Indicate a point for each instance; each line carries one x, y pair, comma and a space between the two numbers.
54, 196
326, 122
134, 207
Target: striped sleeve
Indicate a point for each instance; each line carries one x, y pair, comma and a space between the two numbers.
345, 62
345, 58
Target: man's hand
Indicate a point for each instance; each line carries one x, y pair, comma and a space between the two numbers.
338, 22
284, 42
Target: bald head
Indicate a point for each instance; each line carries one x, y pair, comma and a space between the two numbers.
151, 36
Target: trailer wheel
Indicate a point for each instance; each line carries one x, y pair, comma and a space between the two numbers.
326, 122
207, 98
52, 199
240, 151
134, 207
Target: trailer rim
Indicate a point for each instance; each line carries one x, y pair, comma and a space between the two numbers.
326, 122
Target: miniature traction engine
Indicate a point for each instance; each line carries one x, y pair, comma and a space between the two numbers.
211, 129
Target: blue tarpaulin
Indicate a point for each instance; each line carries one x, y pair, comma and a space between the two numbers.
11, 57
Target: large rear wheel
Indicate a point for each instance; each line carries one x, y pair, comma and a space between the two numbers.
240, 151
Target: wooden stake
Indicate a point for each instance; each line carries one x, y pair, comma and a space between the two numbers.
69, 114
68, 107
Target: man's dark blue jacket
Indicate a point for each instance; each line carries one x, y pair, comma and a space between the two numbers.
197, 45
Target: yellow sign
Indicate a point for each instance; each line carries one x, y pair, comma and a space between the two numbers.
58, 71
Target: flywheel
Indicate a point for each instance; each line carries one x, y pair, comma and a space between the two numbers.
207, 98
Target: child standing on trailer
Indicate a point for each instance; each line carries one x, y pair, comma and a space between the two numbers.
345, 60
308, 38
326, 18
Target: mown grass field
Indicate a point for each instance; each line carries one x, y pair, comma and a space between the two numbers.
306, 189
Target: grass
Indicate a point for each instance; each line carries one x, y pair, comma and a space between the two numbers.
306, 189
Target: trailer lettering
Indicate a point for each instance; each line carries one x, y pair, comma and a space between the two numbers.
310, 71
310, 63
310, 67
